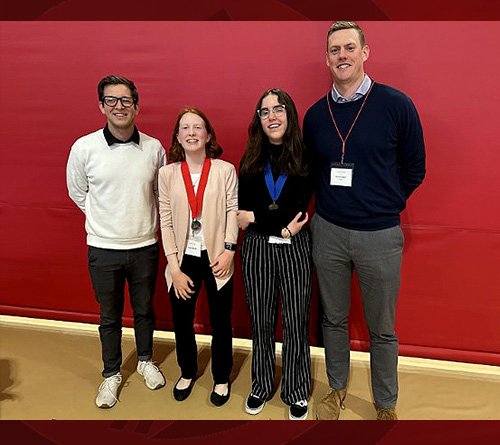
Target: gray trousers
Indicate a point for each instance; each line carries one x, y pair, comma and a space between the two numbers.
376, 256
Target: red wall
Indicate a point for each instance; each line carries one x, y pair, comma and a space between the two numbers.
449, 303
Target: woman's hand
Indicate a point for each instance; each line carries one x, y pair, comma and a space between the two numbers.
295, 226
183, 285
221, 267
244, 218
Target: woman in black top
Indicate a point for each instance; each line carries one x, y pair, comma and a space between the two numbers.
274, 193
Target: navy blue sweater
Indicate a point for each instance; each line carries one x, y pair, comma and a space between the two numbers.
386, 146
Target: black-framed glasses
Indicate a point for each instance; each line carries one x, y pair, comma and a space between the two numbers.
277, 110
111, 101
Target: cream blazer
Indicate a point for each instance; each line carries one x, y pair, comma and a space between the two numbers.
220, 203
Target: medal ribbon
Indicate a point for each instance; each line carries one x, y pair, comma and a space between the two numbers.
355, 119
274, 188
195, 201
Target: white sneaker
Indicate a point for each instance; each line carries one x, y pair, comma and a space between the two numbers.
153, 378
107, 395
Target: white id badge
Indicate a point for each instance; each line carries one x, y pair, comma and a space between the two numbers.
193, 248
341, 174
279, 240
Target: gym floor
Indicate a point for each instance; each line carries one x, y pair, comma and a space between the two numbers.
52, 370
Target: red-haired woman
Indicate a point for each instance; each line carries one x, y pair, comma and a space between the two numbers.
198, 204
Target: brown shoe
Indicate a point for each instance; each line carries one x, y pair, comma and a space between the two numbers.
386, 414
330, 406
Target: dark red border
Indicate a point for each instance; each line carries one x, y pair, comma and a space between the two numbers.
247, 432
256, 10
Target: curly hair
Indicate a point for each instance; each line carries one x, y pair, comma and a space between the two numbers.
212, 148
293, 159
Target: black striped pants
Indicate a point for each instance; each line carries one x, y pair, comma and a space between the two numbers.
270, 270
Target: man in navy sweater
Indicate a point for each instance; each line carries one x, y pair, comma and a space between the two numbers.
369, 150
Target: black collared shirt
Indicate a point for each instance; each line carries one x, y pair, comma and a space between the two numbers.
110, 139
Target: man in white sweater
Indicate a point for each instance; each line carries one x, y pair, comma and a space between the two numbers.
112, 177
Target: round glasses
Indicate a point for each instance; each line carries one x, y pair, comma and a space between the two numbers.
111, 101
277, 110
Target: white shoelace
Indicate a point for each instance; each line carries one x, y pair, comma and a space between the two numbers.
117, 378
150, 367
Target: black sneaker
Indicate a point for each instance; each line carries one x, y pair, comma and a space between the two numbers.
254, 405
298, 411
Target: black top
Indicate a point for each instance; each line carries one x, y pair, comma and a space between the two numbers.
254, 196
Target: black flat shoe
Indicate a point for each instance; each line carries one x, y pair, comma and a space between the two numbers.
219, 400
182, 394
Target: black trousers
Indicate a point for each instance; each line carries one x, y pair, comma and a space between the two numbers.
109, 269
220, 304
268, 271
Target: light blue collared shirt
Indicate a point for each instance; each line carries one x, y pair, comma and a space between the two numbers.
360, 92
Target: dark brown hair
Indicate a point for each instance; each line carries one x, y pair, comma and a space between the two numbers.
212, 148
117, 80
337, 26
292, 160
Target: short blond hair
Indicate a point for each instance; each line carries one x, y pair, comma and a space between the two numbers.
337, 26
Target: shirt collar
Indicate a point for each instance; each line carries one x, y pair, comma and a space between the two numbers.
110, 139
360, 92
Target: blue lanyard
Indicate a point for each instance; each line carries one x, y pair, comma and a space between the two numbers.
274, 188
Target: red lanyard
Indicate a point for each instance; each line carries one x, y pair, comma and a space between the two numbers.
195, 202
350, 129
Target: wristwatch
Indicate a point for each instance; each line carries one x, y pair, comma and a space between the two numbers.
230, 246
